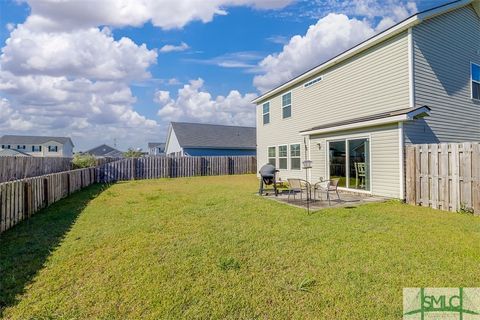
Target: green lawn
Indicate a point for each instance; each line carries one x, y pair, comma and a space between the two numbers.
208, 247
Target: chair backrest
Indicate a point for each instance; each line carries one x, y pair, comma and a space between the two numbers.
360, 167
333, 184
295, 183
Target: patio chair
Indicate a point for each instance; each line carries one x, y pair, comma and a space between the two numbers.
326, 186
360, 171
298, 186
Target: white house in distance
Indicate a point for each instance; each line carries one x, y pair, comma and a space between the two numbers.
156, 148
39, 146
352, 116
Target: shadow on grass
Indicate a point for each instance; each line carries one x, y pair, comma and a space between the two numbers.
25, 248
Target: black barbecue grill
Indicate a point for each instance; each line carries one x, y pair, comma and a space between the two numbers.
268, 177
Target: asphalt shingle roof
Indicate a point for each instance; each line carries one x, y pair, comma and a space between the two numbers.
105, 151
13, 153
198, 135
13, 139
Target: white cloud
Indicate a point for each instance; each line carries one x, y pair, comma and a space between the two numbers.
193, 103
89, 53
330, 36
173, 48
72, 83
167, 14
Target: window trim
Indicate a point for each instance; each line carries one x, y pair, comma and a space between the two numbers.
269, 113
473, 81
299, 156
288, 105
282, 145
268, 155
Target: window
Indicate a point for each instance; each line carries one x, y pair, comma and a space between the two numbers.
272, 157
19, 147
295, 156
475, 81
312, 82
266, 113
282, 157
349, 163
287, 105
52, 148
36, 148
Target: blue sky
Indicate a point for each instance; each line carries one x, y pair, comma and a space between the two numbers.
59, 77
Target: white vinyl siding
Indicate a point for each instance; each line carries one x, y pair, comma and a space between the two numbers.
444, 48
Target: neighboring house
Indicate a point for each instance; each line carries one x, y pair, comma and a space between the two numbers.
38, 146
156, 149
13, 153
197, 139
417, 82
105, 151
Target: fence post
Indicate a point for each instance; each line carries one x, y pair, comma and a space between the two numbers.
45, 192
134, 166
476, 177
410, 175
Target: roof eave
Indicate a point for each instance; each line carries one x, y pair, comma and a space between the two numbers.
385, 35
409, 116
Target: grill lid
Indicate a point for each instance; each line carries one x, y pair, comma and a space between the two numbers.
267, 171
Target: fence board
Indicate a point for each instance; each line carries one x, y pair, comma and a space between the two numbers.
444, 176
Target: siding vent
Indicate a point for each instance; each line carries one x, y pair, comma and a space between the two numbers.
312, 82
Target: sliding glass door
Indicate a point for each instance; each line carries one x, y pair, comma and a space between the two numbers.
349, 162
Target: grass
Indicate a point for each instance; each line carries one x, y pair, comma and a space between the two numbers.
208, 247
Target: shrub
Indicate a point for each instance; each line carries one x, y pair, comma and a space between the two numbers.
83, 161
132, 153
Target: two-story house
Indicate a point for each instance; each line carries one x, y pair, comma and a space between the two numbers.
417, 82
39, 146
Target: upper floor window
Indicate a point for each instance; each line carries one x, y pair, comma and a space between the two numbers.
283, 157
266, 112
272, 156
52, 148
295, 156
36, 148
287, 105
20, 147
475, 81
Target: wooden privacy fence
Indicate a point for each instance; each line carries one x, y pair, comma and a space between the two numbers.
168, 167
22, 198
14, 168
444, 176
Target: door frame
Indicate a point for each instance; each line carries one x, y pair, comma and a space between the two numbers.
347, 159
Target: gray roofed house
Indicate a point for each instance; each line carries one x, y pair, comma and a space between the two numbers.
156, 148
198, 139
38, 146
105, 151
